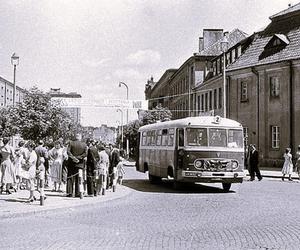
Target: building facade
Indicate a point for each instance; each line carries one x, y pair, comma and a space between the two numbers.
69, 103
262, 84
180, 89
6, 93
264, 87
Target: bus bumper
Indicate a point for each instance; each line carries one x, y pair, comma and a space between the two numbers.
210, 177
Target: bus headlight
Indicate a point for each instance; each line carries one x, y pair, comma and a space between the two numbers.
198, 163
234, 165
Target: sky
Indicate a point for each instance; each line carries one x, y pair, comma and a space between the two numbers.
90, 46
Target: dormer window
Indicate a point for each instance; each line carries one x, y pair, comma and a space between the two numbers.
275, 44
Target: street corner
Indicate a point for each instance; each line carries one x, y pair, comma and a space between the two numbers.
17, 204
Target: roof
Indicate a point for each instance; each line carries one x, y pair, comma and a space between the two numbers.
233, 38
287, 11
251, 57
193, 121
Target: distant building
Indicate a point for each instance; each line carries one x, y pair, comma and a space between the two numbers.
69, 100
6, 93
103, 133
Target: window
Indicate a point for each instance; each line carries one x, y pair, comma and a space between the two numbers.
233, 55
239, 51
214, 68
164, 141
275, 137
210, 100
215, 98
206, 102
235, 138
180, 137
171, 137
274, 86
217, 137
198, 102
220, 98
244, 91
158, 138
197, 136
202, 102
246, 135
144, 140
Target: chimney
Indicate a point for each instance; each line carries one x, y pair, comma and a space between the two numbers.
201, 44
210, 36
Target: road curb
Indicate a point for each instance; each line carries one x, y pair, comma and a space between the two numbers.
125, 191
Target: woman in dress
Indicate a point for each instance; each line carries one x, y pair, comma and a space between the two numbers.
57, 155
31, 169
288, 164
8, 172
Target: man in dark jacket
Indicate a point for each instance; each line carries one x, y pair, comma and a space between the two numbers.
91, 164
114, 160
253, 162
77, 152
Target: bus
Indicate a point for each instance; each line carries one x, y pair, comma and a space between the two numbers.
204, 149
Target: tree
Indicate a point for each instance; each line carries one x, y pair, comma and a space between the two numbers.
37, 117
159, 113
130, 130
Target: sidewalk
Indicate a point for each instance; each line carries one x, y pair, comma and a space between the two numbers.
274, 174
16, 204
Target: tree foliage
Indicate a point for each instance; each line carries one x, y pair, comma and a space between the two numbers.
130, 130
37, 117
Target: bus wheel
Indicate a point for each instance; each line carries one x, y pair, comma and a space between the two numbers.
226, 186
154, 179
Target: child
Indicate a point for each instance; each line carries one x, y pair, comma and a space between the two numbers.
121, 172
40, 174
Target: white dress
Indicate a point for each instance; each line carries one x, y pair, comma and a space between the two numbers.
287, 165
58, 156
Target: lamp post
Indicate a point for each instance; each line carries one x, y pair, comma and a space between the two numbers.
14, 62
127, 141
224, 47
120, 84
120, 110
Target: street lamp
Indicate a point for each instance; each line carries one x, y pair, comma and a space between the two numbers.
14, 62
120, 84
127, 141
224, 47
120, 110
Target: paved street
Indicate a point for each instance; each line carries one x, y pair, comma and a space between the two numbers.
256, 215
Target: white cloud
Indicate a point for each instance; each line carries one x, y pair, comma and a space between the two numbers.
128, 74
144, 57
96, 63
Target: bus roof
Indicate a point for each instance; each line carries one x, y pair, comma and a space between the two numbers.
209, 121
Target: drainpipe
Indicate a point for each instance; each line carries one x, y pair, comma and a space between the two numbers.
291, 108
254, 71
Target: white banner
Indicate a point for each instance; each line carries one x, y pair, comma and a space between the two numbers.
112, 103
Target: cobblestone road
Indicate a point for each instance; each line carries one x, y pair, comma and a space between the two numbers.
256, 215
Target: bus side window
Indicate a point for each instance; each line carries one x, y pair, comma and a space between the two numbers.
180, 137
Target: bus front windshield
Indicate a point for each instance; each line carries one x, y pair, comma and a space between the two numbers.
215, 137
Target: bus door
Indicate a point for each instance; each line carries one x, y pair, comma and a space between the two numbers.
178, 147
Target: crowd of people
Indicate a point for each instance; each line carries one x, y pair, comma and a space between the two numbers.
74, 167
